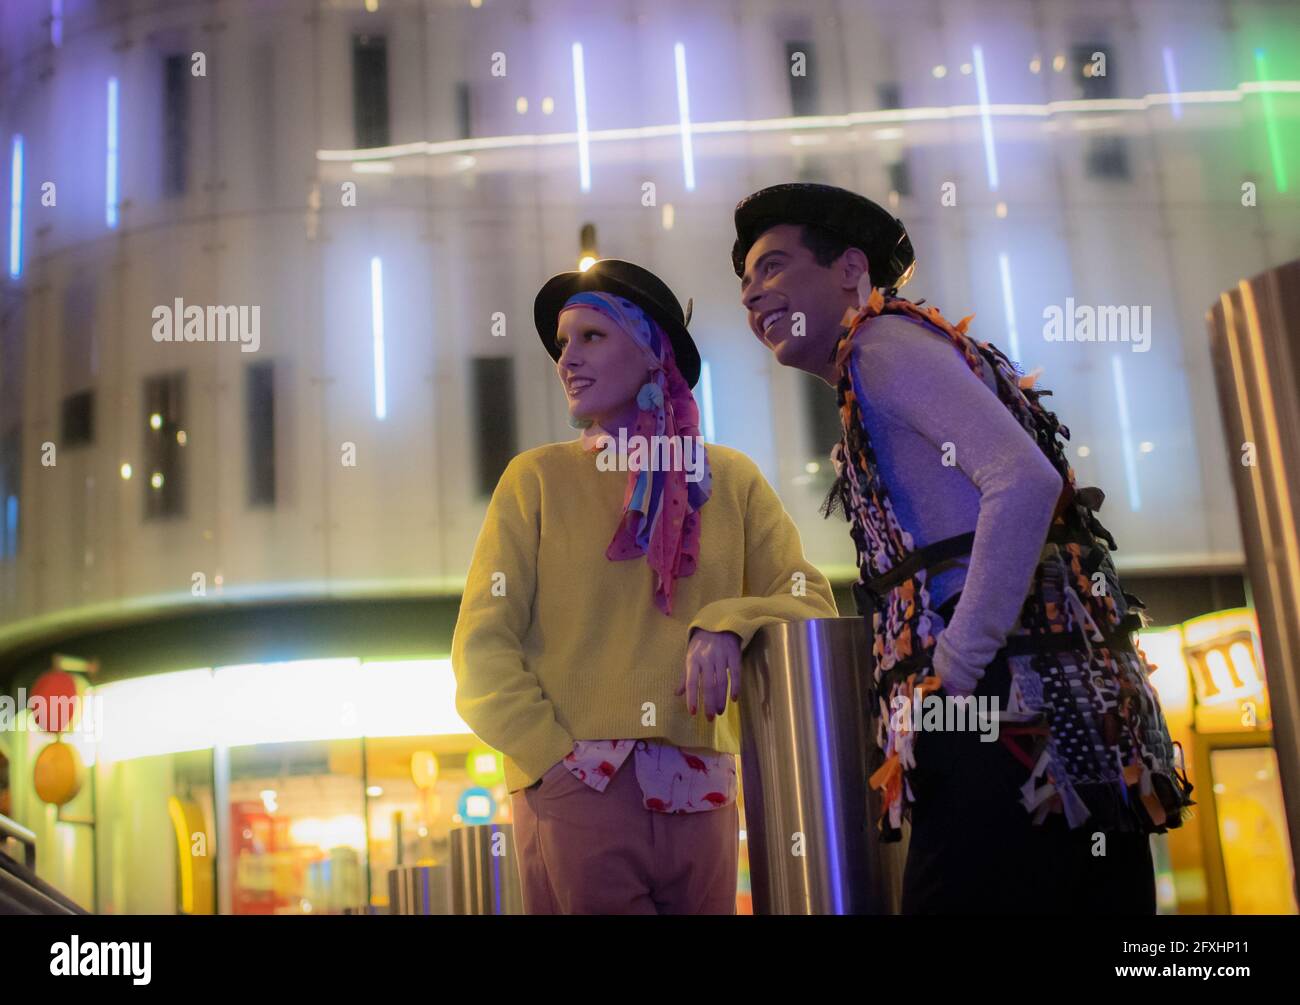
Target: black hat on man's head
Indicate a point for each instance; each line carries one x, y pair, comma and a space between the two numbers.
847, 215
641, 286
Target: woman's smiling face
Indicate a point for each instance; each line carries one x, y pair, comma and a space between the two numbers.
600, 365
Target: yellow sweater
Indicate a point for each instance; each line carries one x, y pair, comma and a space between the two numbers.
555, 642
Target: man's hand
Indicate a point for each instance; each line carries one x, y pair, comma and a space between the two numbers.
709, 655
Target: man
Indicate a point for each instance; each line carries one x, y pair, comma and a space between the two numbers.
984, 574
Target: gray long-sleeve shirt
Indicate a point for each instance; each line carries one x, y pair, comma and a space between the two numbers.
921, 403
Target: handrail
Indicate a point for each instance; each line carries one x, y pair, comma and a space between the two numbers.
19, 883
24, 884
23, 898
13, 829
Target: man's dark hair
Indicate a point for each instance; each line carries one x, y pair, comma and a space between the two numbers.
825, 245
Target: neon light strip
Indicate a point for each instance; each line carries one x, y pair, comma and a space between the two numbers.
56, 23
986, 120
377, 335
684, 116
1009, 306
110, 168
1130, 459
817, 677
580, 100
1270, 125
808, 122
16, 210
1171, 81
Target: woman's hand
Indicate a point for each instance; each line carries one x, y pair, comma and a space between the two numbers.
708, 657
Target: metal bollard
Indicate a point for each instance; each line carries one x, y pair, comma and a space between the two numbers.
809, 818
419, 889
481, 882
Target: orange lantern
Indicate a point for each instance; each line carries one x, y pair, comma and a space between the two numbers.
59, 773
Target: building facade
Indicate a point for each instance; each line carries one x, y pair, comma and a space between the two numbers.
363, 197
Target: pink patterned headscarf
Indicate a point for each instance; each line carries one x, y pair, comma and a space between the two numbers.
661, 517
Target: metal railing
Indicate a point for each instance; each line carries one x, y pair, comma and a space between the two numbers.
21, 890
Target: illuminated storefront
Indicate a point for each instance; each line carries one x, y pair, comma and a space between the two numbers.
1232, 856
277, 788
272, 788
295, 787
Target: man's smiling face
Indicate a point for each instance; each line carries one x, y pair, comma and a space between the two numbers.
782, 278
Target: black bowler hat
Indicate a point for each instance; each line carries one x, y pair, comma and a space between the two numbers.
641, 286
856, 219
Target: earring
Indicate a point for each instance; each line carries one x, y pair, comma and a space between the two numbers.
650, 397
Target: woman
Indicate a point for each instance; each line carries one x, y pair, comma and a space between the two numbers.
571, 656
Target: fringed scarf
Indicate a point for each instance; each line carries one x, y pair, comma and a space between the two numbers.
661, 517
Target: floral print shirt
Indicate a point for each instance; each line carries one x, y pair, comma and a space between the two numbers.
672, 779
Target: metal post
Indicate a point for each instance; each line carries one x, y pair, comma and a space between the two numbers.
484, 876
223, 821
419, 889
809, 818
1255, 343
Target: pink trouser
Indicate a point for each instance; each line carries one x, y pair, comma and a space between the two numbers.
586, 852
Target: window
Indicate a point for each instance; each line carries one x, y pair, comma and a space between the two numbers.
463, 111
1106, 157
78, 419
259, 395
900, 178
1092, 66
823, 427
163, 477
80, 346
493, 383
176, 76
370, 90
803, 87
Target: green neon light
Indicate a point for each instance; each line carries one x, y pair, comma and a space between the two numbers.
1270, 125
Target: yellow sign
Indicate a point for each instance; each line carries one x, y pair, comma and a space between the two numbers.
1222, 653
424, 769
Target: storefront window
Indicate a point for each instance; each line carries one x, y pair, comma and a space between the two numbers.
1252, 831
273, 788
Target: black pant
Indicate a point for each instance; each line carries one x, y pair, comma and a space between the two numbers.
974, 850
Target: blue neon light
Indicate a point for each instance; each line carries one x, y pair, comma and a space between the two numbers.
16, 210
110, 168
